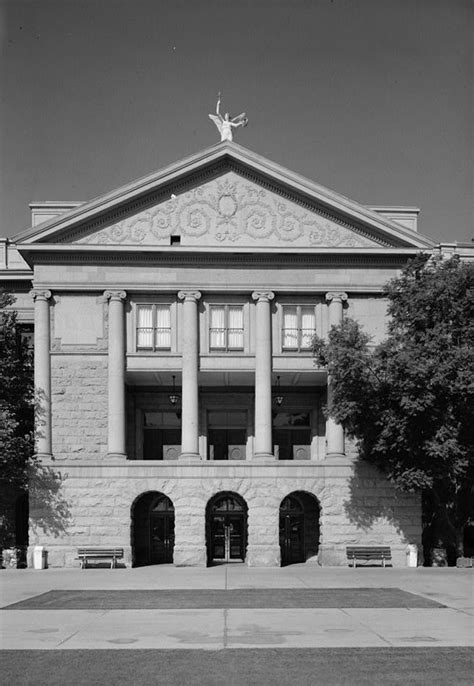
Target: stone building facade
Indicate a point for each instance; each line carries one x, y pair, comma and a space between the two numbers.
180, 408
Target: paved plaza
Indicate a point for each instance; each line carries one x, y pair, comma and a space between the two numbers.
424, 616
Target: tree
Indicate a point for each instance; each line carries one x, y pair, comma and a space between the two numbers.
16, 417
408, 401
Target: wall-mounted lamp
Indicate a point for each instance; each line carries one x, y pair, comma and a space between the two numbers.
173, 396
278, 396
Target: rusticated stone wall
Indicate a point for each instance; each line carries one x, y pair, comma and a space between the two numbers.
79, 406
357, 507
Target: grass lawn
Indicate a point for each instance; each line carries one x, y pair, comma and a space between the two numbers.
248, 667
143, 599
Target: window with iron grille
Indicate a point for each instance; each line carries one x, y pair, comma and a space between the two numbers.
299, 327
153, 327
226, 327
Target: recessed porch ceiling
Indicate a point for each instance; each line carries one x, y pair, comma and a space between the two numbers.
288, 379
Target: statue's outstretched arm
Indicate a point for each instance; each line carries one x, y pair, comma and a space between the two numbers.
239, 120
218, 104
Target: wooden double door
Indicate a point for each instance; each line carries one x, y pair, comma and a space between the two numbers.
227, 529
292, 530
162, 532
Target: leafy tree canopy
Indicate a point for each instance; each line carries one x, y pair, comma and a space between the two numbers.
409, 400
16, 412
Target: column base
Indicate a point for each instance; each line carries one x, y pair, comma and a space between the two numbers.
190, 457
117, 456
335, 455
264, 457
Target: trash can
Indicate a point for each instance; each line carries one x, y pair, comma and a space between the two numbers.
412, 555
39, 557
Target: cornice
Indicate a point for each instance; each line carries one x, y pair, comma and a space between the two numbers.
211, 288
213, 162
205, 257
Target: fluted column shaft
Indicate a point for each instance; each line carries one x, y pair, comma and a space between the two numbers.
263, 447
42, 374
190, 367
116, 375
334, 432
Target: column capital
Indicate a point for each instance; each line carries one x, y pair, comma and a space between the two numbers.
333, 296
115, 295
189, 295
266, 296
38, 294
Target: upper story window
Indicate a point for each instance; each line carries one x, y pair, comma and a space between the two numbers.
27, 335
299, 327
153, 327
226, 327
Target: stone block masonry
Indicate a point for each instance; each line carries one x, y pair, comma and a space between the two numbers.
355, 508
79, 406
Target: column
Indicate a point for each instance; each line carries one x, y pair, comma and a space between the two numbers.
263, 447
190, 389
42, 374
334, 432
116, 375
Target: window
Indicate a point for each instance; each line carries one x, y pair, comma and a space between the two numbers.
161, 436
292, 436
299, 327
27, 335
226, 434
153, 327
226, 327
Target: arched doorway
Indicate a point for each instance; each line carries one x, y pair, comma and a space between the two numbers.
152, 529
226, 528
299, 528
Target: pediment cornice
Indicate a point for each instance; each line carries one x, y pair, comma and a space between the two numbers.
85, 254
204, 167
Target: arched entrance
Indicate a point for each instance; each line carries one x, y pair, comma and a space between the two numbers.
226, 528
299, 528
152, 529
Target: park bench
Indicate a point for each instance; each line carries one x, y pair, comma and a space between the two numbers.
112, 554
369, 552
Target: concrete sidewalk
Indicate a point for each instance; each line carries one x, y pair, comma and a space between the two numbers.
213, 629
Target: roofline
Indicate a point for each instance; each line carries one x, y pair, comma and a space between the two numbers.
173, 172
84, 248
128, 191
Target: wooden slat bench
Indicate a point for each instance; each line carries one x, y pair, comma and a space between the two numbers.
369, 552
112, 554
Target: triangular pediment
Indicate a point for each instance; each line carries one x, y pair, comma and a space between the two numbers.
227, 197
230, 210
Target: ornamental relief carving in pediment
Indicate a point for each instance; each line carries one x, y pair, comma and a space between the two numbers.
230, 210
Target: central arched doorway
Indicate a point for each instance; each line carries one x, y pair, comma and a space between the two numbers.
152, 529
226, 528
299, 528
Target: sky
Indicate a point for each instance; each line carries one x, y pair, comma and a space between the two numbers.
370, 98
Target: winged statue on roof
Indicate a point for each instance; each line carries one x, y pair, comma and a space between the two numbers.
225, 123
